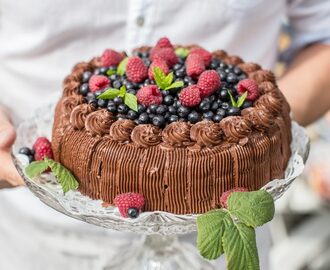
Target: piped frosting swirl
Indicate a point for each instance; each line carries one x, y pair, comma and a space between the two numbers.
235, 128
177, 134
70, 102
98, 123
206, 133
79, 114
261, 120
121, 130
271, 102
146, 135
262, 76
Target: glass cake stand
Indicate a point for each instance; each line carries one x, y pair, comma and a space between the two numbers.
159, 248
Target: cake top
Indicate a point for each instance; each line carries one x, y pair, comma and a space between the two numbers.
174, 93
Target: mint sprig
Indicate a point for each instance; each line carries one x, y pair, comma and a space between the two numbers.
165, 82
182, 52
111, 72
232, 231
121, 69
129, 99
240, 100
62, 174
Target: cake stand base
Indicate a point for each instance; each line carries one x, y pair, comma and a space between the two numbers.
157, 252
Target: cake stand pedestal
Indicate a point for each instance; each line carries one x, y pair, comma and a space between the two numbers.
159, 247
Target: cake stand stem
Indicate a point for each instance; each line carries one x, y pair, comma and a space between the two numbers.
157, 252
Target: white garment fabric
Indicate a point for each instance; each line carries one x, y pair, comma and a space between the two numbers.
40, 41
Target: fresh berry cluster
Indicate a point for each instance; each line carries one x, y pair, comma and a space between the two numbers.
208, 90
41, 148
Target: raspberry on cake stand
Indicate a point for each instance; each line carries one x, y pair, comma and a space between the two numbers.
159, 248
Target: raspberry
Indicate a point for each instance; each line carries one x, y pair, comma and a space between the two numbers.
250, 86
225, 195
168, 54
194, 65
190, 96
127, 202
206, 55
42, 148
136, 70
164, 42
111, 58
98, 82
208, 82
158, 62
148, 95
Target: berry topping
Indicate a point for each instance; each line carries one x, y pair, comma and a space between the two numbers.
98, 82
129, 204
111, 58
250, 86
136, 70
168, 54
208, 82
160, 63
149, 95
42, 148
190, 96
206, 55
164, 42
225, 195
194, 65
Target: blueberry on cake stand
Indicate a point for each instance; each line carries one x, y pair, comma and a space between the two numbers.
159, 247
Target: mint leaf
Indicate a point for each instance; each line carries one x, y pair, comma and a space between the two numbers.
110, 93
241, 99
36, 168
122, 91
253, 208
111, 72
211, 227
160, 77
182, 52
239, 244
121, 69
233, 102
168, 79
63, 175
176, 84
131, 101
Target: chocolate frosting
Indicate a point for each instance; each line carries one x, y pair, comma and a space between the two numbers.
249, 67
261, 119
70, 102
233, 60
271, 102
220, 54
79, 114
235, 128
177, 134
146, 135
99, 122
262, 76
121, 130
206, 133
266, 87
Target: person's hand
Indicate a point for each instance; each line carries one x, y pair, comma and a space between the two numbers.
8, 173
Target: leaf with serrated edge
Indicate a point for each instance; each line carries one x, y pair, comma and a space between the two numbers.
241, 99
122, 91
182, 52
253, 208
121, 69
168, 79
110, 93
131, 101
233, 102
159, 77
176, 84
210, 227
36, 168
239, 244
111, 72
63, 175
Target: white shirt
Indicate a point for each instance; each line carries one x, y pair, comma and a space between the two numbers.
40, 41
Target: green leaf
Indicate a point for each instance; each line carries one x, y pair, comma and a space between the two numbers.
233, 102
253, 208
110, 93
211, 227
111, 72
168, 79
36, 168
121, 69
122, 91
131, 101
63, 175
241, 99
182, 52
239, 244
159, 77
176, 84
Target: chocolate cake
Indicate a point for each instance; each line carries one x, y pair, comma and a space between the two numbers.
223, 124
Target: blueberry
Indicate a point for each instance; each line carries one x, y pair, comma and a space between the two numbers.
103, 70
214, 106
222, 74
233, 111
97, 93
143, 118
168, 99
188, 80
86, 75
129, 85
177, 67
114, 77
221, 112
237, 71
91, 99
165, 93
141, 108
118, 100
131, 91
132, 115
247, 104
162, 109
121, 116
84, 89
180, 73
211, 98
148, 81
183, 111
224, 94
208, 115
112, 107
146, 61
173, 118
152, 108
232, 78
214, 63
223, 65
97, 71
116, 84
122, 108
172, 109
25, 151
217, 118
167, 115
133, 212
31, 158
225, 105
176, 103
103, 103
204, 105
151, 115
159, 121
241, 77
194, 117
